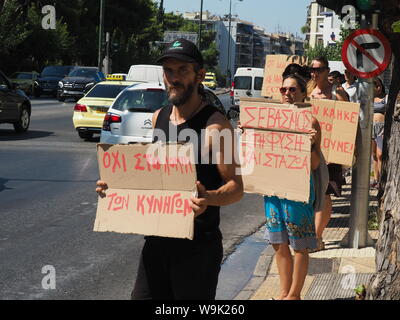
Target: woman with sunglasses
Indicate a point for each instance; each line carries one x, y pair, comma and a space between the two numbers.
323, 89
292, 222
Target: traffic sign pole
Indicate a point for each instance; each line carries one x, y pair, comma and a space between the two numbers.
358, 236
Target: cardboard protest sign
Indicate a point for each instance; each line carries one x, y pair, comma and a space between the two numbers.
338, 121
263, 114
276, 156
274, 67
149, 189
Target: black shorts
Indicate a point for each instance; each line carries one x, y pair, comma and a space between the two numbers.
178, 269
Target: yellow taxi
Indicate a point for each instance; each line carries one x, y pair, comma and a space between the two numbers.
90, 110
210, 80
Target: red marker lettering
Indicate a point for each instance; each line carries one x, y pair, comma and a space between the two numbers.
116, 160
248, 110
187, 209
140, 204
106, 160
150, 201
138, 160
112, 195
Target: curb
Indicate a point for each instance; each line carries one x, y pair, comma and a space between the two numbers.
259, 274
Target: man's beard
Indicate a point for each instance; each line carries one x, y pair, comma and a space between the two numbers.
181, 99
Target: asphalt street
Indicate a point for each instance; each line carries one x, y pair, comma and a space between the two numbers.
48, 207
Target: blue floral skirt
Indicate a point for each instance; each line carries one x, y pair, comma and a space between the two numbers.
291, 221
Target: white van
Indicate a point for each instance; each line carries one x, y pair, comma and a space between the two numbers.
247, 83
145, 72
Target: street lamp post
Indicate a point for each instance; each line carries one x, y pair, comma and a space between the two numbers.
228, 67
201, 23
101, 25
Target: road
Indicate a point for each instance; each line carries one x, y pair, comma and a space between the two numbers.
48, 207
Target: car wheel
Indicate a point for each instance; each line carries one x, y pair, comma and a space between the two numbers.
85, 134
22, 124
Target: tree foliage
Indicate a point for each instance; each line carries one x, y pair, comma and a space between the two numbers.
332, 52
135, 26
385, 284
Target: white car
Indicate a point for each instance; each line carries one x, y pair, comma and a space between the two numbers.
129, 119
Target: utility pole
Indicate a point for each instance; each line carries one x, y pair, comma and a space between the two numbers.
101, 26
106, 64
228, 67
358, 236
201, 23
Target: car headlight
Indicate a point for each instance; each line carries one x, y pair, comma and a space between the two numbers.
60, 84
36, 83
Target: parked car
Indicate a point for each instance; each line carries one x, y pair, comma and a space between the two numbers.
247, 83
47, 83
129, 119
25, 80
145, 72
90, 110
15, 106
79, 81
210, 80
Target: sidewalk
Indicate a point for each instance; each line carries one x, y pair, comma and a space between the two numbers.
333, 273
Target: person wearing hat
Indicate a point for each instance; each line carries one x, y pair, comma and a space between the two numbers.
178, 269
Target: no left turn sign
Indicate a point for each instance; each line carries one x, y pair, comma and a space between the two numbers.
366, 53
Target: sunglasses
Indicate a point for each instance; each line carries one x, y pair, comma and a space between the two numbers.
317, 70
290, 89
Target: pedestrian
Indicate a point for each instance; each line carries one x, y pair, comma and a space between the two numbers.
178, 269
295, 68
380, 101
323, 89
335, 77
351, 86
292, 222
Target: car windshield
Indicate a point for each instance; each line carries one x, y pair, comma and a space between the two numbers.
105, 91
86, 73
56, 71
22, 76
242, 83
146, 100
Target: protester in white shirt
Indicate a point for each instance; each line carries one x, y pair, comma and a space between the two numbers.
351, 86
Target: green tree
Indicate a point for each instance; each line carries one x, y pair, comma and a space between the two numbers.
385, 284
332, 52
210, 53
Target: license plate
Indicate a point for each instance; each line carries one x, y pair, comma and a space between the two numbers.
74, 92
100, 109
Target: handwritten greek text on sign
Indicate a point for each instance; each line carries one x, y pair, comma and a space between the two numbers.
338, 121
274, 67
162, 213
275, 117
149, 189
280, 161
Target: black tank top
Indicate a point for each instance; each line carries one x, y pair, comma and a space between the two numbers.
206, 225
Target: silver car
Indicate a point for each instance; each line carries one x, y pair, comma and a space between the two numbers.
129, 119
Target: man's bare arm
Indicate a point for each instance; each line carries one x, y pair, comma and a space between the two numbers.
232, 190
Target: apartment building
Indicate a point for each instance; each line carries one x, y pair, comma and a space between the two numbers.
323, 25
246, 45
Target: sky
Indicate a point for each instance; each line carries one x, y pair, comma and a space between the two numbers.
273, 15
